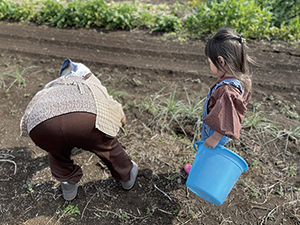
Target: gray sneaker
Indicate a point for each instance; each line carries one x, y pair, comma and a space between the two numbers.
133, 173
69, 190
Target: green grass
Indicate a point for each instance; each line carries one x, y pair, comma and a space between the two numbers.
17, 76
2, 78
163, 109
168, 110
293, 134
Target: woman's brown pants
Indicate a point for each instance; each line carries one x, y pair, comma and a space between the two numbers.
59, 135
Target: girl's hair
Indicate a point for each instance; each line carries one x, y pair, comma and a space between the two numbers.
232, 47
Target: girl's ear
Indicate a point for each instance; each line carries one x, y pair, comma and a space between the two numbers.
221, 61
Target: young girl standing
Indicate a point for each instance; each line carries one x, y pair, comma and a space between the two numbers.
227, 98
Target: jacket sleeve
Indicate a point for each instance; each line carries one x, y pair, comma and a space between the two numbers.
227, 111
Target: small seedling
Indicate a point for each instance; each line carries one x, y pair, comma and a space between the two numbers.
191, 212
18, 76
292, 171
138, 83
271, 217
254, 191
13, 111
124, 216
68, 211
280, 191
173, 177
148, 213
50, 70
29, 187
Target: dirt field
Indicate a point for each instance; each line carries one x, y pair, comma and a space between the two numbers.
138, 65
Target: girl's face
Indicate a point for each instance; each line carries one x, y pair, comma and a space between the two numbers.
215, 70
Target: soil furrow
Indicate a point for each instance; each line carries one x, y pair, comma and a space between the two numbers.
102, 45
136, 50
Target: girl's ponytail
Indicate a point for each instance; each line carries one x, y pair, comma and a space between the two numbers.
233, 48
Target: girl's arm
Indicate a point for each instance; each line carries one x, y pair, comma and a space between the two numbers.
213, 140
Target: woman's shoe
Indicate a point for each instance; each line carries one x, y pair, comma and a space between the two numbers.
133, 174
69, 190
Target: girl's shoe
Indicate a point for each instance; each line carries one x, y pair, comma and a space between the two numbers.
69, 190
187, 168
133, 174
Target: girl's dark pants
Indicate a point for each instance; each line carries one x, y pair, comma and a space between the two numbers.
59, 135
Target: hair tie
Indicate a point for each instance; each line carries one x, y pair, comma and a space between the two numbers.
242, 39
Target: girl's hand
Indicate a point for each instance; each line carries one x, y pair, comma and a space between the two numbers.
213, 140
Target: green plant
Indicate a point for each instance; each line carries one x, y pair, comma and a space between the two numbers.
288, 110
124, 216
50, 70
173, 176
191, 212
254, 18
164, 109
29, 187
271, 98
70, 210
26, 11
169, 109
257, 121
283, 11
254, 190
49, 11
168, 23
2, 75
255, 163
292, 134
121, 16
243, 15
150, 103
114, 92
191, 112
18, 76
271, 217
7, 9
292, 171
138, 83
149, 212
279, 190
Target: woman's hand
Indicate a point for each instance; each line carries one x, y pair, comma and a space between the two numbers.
124, 119
213, 140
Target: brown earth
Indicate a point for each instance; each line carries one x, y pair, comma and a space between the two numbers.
137, 65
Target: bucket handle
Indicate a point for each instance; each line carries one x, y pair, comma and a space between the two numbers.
196, 145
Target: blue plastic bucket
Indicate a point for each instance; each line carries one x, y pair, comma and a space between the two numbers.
214, 172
